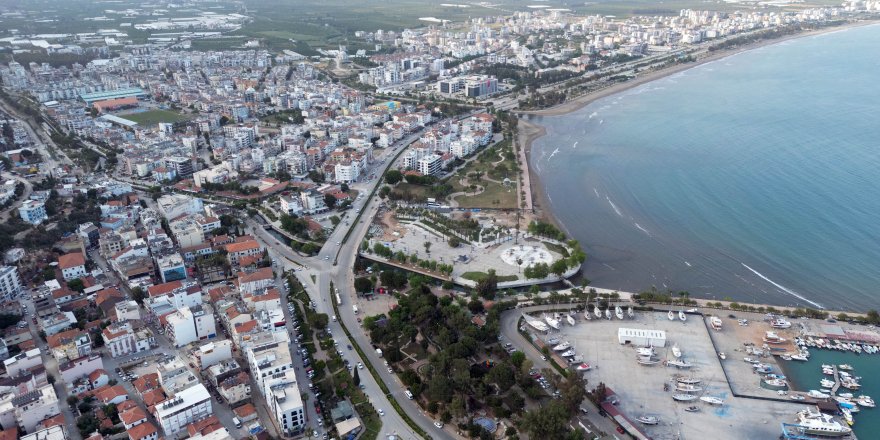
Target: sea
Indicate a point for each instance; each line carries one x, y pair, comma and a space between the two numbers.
754, 177
805, 376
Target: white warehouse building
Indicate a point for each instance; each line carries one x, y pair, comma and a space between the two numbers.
641, 337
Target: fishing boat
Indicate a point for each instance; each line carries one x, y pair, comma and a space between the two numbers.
583, 367
570, 320
688, 388
608, 313
552, 322
821, 424
597, 312
648, 420
865, 401
676, 351
629, 312
562, 347
618, 312
671, 316
712, 400
681, 316
682, 397
678, 363
692, 409
715, 322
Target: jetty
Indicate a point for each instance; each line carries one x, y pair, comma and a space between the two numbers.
836, 382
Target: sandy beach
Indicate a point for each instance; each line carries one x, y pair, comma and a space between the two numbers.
529, 131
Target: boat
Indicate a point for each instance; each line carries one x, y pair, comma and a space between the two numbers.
671, 316
568, 353
847, 416
570, 320
681, 397
645, 351
629, 312
608, 313
648, 420
722, 355
844, 402
552, 322
647, 361
692, 409
817, 394
618, 312
826, 383
850, 384
821, 424
597, 312
780, 323
676, 351
715, 322
773, 338
796, 397
681, 316
689, 380
678, 363
562, 347
535, 323
827, 367
587, 314
865, 401
712, 400
846, 395
750, 360
799, 357
776, 383
688, 388
845, 367
583, 367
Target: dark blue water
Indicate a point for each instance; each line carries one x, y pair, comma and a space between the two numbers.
755, 177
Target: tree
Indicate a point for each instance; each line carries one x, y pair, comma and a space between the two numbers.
137, 294
363, 285
517, 358
549, 421
427, 245
559, 267
487, 286
356, 378
873, 316
321, 321
454, 242
344, 187
330, 200
384, 191
393, 177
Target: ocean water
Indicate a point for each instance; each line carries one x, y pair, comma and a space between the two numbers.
756, 177
805, 376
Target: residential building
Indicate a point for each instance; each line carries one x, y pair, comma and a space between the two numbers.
171, 267
70, 344
32, 211
72, 265
144, 431
123, 338
33, 407
236, 388
312, 202
190, 324
236, 250
185, 407
10, 283
213, 353
22, 362
430, 165
255, 281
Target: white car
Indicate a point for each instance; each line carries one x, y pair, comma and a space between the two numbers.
439, 425
381, 413
360, 366
390, 371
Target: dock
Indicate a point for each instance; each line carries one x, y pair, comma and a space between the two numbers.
836, 382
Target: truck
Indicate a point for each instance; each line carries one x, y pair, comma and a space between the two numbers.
355, 308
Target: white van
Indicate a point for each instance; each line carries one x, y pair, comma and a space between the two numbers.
236, 422
408, 394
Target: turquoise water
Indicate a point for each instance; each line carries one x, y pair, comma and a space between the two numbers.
756, 176
805, 376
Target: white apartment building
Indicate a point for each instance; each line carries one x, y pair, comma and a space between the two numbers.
312, 202
347, 172
34, 407
72, 265
190, 324
10, 283
32, 211
185, 407
430, 165
290, 205
22, 361
122, 339
285, 402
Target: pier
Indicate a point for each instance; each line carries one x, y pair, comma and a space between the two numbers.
836, 382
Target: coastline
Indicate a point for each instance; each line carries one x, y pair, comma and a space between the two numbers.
529, 131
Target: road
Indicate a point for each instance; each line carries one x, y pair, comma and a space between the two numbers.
12, 210
39, 136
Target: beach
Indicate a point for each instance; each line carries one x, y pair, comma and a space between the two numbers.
531, 130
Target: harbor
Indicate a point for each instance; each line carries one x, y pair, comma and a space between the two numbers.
670, 376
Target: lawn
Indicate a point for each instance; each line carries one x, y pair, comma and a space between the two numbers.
478, 276
494, 196
152, 117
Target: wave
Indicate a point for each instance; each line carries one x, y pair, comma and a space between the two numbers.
781, 287
639, 227
613, 206
575, 144
593, 115
596, 191
553, 154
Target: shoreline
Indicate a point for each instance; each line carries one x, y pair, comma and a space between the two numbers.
529, 131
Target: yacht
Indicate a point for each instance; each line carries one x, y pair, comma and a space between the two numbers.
645, 351
817, 394
780, 323
608, 313
552, 322
681, 397
618, 312
570, 320
562, 347
845, 367
712, 400
715, 322
799, 357
587, 314
682, 316
847, 415
821, 424
676, 351
671, 316
629, 312
796, 397
773, 338
689, 380
583, 367
688, 388
648, 420
678, 363
865, 401
826, 383
597, 312
568, 353
535, 323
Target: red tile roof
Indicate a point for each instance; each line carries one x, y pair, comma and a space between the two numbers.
73, 259
144, 430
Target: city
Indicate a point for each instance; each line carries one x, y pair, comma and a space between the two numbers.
212, 231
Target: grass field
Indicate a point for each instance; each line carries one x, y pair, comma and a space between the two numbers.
494, 196
477, 276
153, 117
